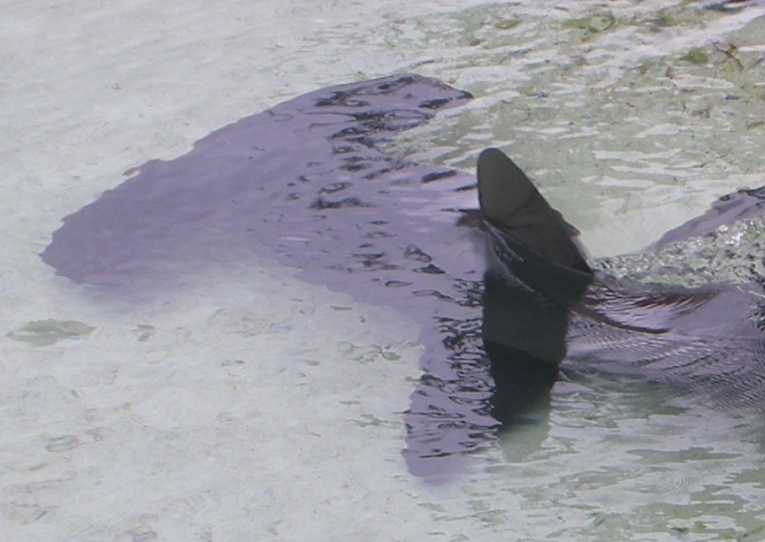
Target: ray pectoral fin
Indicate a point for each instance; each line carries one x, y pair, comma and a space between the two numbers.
518, 212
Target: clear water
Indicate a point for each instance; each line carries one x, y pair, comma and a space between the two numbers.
254, 406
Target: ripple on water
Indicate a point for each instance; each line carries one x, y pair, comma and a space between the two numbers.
619, 125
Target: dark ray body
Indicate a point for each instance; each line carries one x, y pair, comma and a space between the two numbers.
708, 340
307, 183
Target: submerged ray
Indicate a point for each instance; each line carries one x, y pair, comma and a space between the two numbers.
308, 182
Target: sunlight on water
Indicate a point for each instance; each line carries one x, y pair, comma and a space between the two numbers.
255, 406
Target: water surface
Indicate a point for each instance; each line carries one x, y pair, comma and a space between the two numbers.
250, 404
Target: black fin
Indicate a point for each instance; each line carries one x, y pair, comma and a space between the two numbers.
518, 213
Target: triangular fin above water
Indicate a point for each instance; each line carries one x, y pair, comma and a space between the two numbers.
515, 209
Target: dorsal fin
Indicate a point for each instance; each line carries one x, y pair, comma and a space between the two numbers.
510, 202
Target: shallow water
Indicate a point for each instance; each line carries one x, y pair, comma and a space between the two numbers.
251, 405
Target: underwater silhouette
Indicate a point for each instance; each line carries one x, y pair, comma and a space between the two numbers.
307, 182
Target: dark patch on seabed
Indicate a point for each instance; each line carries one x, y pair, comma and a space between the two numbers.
306, 182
